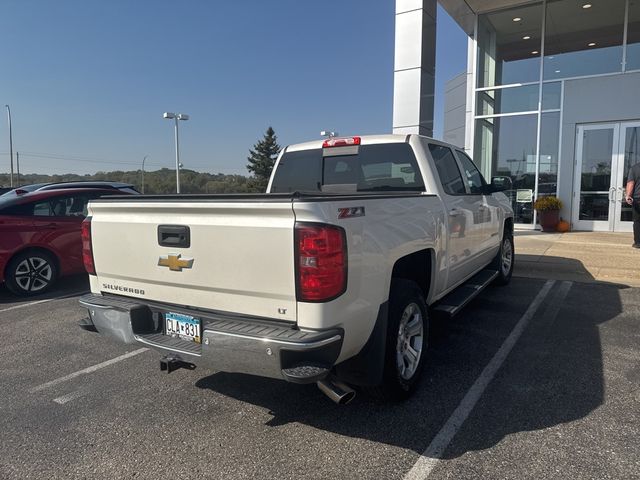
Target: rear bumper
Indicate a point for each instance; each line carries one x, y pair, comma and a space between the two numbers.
229, 343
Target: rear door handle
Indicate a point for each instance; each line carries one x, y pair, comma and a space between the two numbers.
176, 236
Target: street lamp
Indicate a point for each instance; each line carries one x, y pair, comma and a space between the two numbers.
10, 143
176, 117
145, 157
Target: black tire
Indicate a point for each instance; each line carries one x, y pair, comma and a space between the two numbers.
504, 260
406, 306
31, 273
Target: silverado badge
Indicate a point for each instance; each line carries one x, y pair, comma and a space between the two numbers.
174, 262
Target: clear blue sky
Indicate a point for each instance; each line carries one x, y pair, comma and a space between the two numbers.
88, 80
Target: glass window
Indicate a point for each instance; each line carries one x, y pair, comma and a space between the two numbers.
73, 206
475, 182
77, 206
595, 179
383, 167
509, 44
16, 209
42, 209
506, 146
631, 158
551, 95
549, 143
508, 100
60, 206
298, 172
633, 36
583, 41
448, 171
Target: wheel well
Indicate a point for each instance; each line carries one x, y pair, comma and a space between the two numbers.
508, 225
34, 249
417, 268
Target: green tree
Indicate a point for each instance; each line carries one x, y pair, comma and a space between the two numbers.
263, 157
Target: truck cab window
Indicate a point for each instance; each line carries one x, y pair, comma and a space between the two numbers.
448, 171
474, 178
383, 167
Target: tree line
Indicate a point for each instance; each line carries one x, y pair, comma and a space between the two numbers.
259, 163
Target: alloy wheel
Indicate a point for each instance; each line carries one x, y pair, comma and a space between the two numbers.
507, 257
410, 341
33, 274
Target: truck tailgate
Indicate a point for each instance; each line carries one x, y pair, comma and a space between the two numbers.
242, 252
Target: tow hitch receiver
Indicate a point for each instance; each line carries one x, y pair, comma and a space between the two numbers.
87, 324
169, 364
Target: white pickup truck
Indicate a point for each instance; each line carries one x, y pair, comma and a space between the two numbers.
329, 277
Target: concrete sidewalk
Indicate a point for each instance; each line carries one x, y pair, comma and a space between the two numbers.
578, 256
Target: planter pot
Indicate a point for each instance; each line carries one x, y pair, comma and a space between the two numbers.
549, 220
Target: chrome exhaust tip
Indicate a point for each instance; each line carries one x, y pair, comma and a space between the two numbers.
337, 391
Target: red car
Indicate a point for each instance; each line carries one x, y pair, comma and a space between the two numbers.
40, 237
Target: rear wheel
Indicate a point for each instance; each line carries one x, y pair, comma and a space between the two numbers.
30, 273
406, 346
504, 260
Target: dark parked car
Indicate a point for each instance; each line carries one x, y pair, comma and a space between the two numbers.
40, 237
38, 187
23, 189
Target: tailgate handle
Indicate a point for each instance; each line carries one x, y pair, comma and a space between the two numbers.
178, 236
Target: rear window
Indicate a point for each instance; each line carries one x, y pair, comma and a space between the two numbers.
14, 206
384, 167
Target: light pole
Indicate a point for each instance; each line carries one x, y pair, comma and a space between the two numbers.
176, 117
143, 159
10, 143
18, 168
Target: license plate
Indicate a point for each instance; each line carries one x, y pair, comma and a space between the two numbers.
182, 326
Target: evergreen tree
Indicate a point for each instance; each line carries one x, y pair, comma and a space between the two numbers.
263, 157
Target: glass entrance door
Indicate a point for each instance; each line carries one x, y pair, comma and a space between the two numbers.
628, 156
605, 152
594, 188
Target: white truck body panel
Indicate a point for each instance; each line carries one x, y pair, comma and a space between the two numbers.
243, 254
391, 229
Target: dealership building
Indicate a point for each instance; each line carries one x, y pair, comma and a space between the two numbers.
550, 98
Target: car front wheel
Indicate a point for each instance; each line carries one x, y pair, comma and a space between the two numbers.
30, 273
504, 260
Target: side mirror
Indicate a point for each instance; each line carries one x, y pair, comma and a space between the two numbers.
500, 184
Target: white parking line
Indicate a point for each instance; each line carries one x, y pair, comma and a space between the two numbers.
22, 305
87, 370
70, 396
431, 456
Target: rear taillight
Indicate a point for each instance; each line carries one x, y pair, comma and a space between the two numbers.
321, 255
87, 250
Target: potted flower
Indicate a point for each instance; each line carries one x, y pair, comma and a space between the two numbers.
548, 208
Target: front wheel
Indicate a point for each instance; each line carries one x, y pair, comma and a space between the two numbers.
30, 273
406, 345
504, 260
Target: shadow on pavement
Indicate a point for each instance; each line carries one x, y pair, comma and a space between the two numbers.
74, 284
553, 375
555, 268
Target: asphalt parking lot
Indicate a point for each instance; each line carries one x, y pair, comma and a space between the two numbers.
560, 399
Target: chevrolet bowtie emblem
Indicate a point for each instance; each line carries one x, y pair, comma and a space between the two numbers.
174, 262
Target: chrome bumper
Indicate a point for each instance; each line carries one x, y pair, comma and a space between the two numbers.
229, 343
